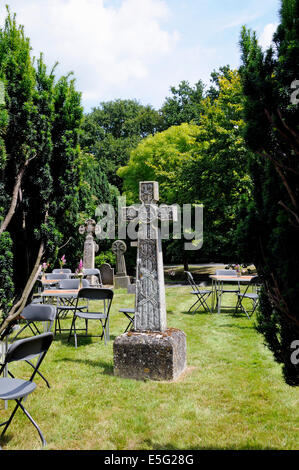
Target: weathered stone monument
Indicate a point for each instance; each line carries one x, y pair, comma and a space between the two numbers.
90, 247
121, 280
151, 350
107, 274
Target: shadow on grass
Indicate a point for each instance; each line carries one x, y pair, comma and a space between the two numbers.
106, 366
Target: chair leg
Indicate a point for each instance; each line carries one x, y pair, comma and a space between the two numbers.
7, 423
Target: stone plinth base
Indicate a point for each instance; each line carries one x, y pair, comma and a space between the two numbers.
150, 355
121, 282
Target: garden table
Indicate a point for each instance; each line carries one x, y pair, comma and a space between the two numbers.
217, 286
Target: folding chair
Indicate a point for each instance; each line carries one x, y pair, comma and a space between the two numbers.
12, 388
93, 272
65, 304
33, 313
201, 294
57, 276
62, 271
93, 293
130, 314
253, 296
222, 290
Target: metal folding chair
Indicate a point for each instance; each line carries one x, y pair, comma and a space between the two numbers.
62, 271
201, 294
130, 314
12, 388
66, 305
93, 272
33, 313
253, 296
93, 293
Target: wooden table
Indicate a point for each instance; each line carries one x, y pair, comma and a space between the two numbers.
217, 286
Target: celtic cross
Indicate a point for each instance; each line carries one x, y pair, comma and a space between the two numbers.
150, 308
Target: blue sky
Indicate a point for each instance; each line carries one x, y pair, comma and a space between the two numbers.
140, 48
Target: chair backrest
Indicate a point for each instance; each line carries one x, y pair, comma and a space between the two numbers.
64, 270
39, 312
37, 288
57, 276
96, 293
28, 347
226, 272
93, 272
72, 283
191, 281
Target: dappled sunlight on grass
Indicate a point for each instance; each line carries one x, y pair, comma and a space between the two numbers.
232, 395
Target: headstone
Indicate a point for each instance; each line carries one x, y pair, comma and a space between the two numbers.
121, 280
90, 247
151, 350
107, 274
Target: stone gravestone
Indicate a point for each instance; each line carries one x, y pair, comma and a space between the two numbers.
107, 274
151, 350
90, 247
121, 280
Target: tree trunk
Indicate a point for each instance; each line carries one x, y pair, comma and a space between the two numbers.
16, 309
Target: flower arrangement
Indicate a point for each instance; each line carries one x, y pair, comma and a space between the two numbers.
44, 269
79, 272
239, 269
62, 261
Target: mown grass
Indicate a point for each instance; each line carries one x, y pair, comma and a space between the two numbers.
232, 395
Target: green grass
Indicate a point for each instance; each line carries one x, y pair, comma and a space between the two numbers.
232, 395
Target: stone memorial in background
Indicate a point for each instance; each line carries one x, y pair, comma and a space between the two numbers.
107, 274
90, 247
151, 350
121, 279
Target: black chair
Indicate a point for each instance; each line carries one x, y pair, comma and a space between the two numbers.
34, 296
62, 271
57, 276
12, 388
201, 294
33, 313
65, 304
254, 283
130, 314
93, 293
226, 290
93, 272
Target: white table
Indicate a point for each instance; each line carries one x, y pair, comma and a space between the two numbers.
217, 286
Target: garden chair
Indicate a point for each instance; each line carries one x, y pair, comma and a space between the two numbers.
93, 293
12, 388
33, 313
62, 271
130, 314
253, 296
57, 276
93, 272
67, 304
226, 290
201, 294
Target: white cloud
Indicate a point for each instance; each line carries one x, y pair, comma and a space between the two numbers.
266, 36
104, 46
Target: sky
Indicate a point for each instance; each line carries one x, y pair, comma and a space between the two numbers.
139, 49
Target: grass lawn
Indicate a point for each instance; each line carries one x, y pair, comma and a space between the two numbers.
232, 395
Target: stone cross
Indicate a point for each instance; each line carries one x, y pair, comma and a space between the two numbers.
119, 248
150, 308
90, 247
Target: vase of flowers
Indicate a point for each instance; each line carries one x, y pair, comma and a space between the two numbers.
238, 268
62, 262
44, 268
79, 272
